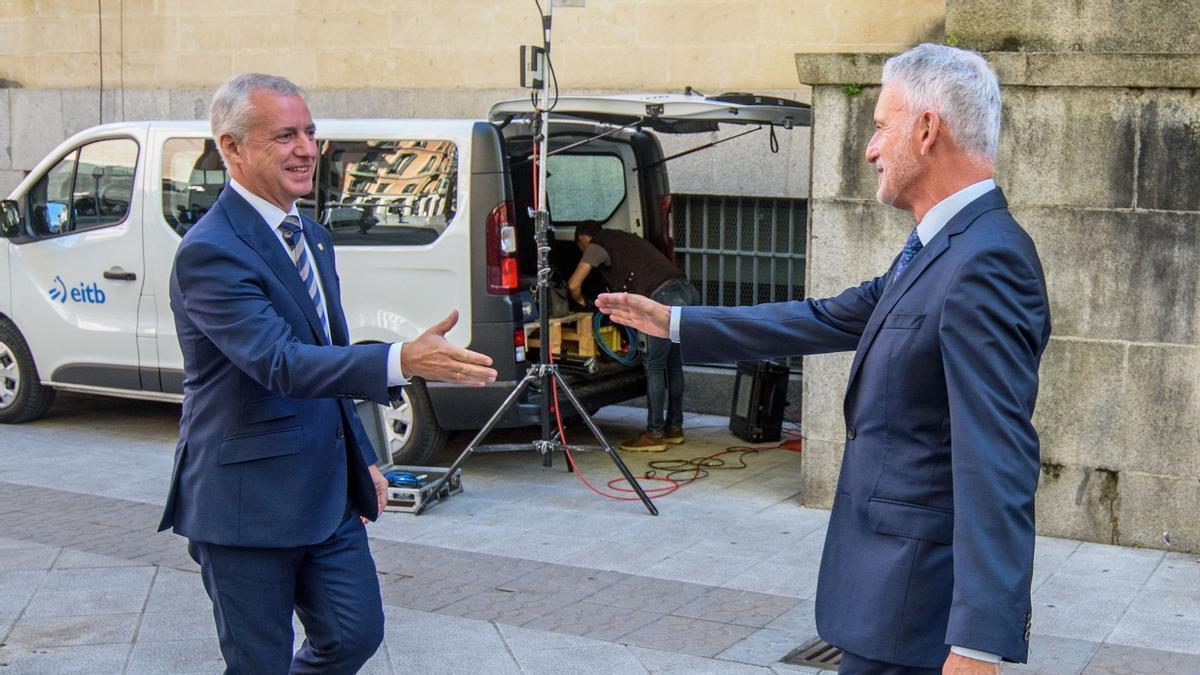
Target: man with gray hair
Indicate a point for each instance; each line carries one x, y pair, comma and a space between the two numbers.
928, 558
274, 474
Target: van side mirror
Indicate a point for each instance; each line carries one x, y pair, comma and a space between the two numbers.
10, 219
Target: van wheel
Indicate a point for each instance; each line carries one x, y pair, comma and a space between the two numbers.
23, 397
411, 430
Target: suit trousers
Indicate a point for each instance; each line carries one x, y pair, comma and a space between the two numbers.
858, 665
331, 586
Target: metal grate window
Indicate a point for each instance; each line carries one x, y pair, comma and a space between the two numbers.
741, 250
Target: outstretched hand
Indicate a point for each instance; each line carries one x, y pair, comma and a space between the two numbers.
432, 357
638, 312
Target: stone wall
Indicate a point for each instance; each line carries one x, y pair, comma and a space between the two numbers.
439, 44
1099, 158
68, 65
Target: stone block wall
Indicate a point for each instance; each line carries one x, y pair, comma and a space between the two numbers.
727, 45
1099, 158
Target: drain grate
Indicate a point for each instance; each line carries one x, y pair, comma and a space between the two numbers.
818, 653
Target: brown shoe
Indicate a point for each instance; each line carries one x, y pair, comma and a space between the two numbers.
673, 435
645, 442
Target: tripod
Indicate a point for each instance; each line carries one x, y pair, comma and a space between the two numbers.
544, 371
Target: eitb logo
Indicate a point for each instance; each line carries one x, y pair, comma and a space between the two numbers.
90, 295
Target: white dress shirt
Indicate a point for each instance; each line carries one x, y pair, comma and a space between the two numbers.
933, 222
273, 216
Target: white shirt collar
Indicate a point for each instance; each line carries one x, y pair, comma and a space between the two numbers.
272, 214
941, 213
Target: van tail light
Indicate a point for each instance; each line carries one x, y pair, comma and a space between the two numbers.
519, 343
664, 224
502, 250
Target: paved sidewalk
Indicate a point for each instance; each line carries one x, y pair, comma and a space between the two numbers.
525, 572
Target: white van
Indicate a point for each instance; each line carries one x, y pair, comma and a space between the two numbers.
424, 213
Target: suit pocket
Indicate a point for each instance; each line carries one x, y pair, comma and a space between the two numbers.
261, 445
903, 321
911, 520
267, 409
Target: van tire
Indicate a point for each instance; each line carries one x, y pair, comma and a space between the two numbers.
23, 397
411, 431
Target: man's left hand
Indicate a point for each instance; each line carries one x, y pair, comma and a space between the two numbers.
381, 486
957, 664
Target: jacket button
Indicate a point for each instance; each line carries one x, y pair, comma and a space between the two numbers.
850, 433
340, 433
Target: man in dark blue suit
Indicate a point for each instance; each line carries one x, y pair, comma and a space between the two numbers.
274, 474
928, 558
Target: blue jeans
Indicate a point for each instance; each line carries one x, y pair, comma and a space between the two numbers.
664, 363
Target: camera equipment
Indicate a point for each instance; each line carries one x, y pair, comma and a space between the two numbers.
545, 372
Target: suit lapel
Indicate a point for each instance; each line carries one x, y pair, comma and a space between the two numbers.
252, 229
990, 200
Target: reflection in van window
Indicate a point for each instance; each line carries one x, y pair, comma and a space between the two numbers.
193, 176
584, 187
87, 189
104, 182
50, 199
385, 193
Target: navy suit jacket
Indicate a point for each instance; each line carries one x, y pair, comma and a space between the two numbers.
931, 537
270, 444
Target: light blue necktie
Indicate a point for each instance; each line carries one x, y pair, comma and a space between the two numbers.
293, 235
911, 247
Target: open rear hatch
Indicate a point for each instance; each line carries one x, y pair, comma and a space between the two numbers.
668, 113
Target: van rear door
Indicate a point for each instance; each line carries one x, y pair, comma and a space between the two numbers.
670, 113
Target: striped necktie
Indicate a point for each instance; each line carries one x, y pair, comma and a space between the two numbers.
911, 248
293, 235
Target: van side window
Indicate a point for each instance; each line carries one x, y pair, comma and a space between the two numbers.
193, 175
89, 188
385, 193
584, 187
50, 199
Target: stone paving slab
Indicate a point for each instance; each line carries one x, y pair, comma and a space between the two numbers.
662, 662
504, 606
1078, 606
742, 608
16, 588
763, 647
75, 599
66, 631
688, 636
657, 595
1122, 660
720, 582
1054, 656
600, 622
28, 557
432, 643
112, 590
79, 660
1162, 618
169, 626
181, 657
1176, 571
602, 659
